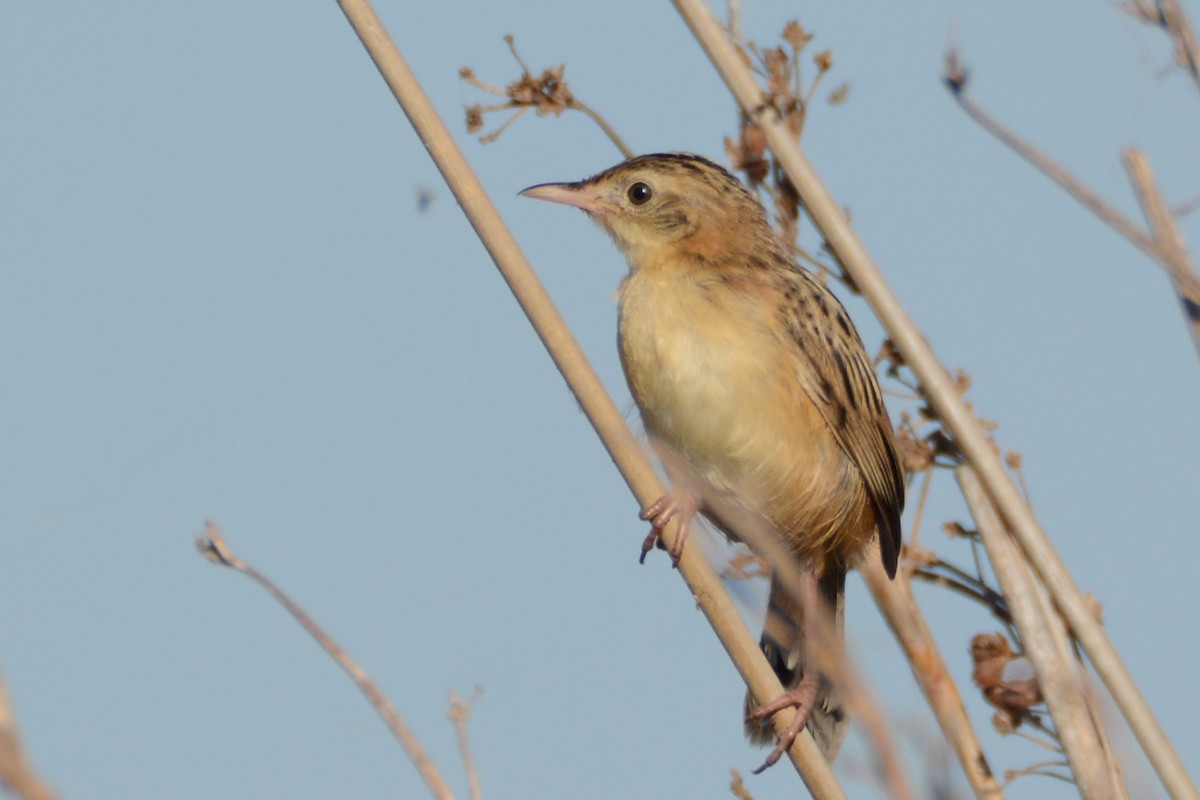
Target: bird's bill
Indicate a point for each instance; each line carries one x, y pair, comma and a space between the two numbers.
579, 195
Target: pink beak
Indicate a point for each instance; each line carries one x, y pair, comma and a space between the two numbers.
579, 195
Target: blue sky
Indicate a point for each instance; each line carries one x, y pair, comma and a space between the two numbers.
218, 299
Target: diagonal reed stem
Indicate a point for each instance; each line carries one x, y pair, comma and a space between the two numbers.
946, 401
628, 455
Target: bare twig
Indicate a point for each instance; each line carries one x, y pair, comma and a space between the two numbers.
1042, 768
547, 93
971, 591
914, 532
737, 787
1164, 245
1169, 15
17, 774
212, 546
945, 399
627, 453
1069, 654
460, 715
956, 81
1167, 238
1186, 51
903, 615
1059, 675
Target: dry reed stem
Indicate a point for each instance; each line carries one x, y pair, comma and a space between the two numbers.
623, 447
1167, 238
946, 401
17, 774
212, 546
1059, 675
1187, 53
1069, 655
460, 715
899, 607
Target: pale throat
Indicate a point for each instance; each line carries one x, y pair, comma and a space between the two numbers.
691, 348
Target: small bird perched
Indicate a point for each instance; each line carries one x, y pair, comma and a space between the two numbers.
757, 395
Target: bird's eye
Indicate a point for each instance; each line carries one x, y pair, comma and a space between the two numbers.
640, 193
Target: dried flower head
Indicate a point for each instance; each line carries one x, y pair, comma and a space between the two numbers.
1012, 696
547, 93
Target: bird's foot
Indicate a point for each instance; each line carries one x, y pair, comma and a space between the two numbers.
802, 698
675, 503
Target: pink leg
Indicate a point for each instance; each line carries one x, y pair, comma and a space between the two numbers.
803, 697
675, 503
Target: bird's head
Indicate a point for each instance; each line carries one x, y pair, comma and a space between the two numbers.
662, 202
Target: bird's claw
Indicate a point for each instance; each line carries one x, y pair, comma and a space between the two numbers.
802, 698
659, 514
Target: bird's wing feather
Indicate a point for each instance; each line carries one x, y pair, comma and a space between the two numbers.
841, 382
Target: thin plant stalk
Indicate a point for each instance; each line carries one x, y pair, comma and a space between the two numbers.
945, 399
17, 775
1187, 52
212, 546
1167, 238
628, 455
899, 607
1164, 244
1059, 675
460, 715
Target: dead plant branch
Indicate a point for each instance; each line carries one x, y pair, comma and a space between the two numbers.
1180, 30
212, 546
627, 453
899, 607
1059, 676
546, 93
955, 79
17, 774
1164, 244
1167, 238
460, 715
1169, 15
944, 397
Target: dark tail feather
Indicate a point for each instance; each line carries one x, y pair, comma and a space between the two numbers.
783, 644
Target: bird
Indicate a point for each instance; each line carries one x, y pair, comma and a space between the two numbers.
758, 396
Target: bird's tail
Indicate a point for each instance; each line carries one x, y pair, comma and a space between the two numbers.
783, 642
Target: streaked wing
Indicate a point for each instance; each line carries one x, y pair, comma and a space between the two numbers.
843, 386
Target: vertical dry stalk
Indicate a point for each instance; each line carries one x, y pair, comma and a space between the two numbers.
460, 715
898, 606
602, 413
1062, 642
945, 399
1187, 52
1059, 675
1168, 240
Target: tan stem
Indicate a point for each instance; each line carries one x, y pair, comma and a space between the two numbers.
1168, 240
898, 606
1059, 675
630, 458
944, 396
